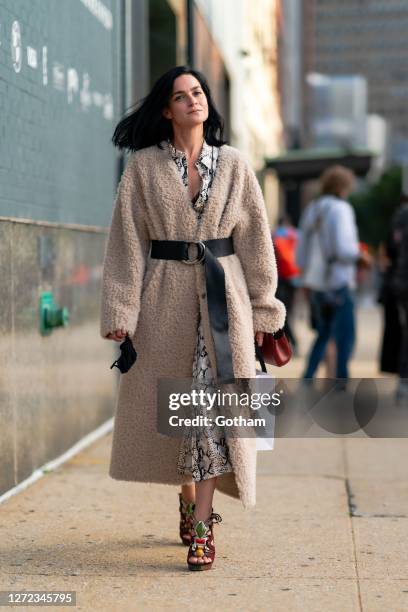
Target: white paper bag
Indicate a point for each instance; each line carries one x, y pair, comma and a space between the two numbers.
264, 383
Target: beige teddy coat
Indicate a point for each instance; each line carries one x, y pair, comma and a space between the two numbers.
158, 302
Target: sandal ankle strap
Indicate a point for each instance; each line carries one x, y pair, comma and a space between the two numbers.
213, 518
186, 507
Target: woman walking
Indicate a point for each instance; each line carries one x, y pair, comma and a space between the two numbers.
328, 252
186, 197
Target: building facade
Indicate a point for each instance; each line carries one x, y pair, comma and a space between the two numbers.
366, 37
246, 34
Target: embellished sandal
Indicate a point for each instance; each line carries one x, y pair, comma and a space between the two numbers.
202, 542
186, 520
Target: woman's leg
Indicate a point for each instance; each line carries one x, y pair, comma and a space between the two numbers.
204, 498
345, 332
188, 492
324, 328
203, 507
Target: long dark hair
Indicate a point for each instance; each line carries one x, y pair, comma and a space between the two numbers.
146, 125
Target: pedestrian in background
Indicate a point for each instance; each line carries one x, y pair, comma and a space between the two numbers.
392, 328
285, 239
328, 252
394, 297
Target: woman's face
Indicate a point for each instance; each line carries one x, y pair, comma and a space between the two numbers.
188, 104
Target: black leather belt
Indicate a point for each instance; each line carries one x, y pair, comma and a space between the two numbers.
207, 253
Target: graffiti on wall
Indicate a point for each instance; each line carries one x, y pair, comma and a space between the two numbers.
65, 79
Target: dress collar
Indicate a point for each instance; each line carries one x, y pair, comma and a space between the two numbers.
204, 157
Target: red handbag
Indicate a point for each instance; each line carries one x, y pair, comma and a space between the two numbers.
276, 349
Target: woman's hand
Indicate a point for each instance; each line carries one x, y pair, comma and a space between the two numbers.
117, 335
365, 259
259, 336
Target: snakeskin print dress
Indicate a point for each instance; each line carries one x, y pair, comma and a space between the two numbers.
203, 450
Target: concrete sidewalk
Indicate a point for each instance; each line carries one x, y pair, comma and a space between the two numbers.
328, 534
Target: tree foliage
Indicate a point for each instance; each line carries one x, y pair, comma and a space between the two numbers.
375, 205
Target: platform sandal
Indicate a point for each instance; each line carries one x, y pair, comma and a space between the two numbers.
186, 520
202, 542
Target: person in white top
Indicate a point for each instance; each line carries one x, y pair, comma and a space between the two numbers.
327, 253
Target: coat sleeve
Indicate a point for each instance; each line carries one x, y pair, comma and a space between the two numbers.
253, 245
125, 256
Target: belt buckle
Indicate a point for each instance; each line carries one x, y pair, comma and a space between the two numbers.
200, 255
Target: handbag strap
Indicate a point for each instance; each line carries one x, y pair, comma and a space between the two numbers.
321, 216
259, 357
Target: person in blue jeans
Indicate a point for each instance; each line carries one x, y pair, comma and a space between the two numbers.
334, 319
327, 253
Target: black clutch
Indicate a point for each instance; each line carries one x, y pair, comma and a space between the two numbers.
128, 356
